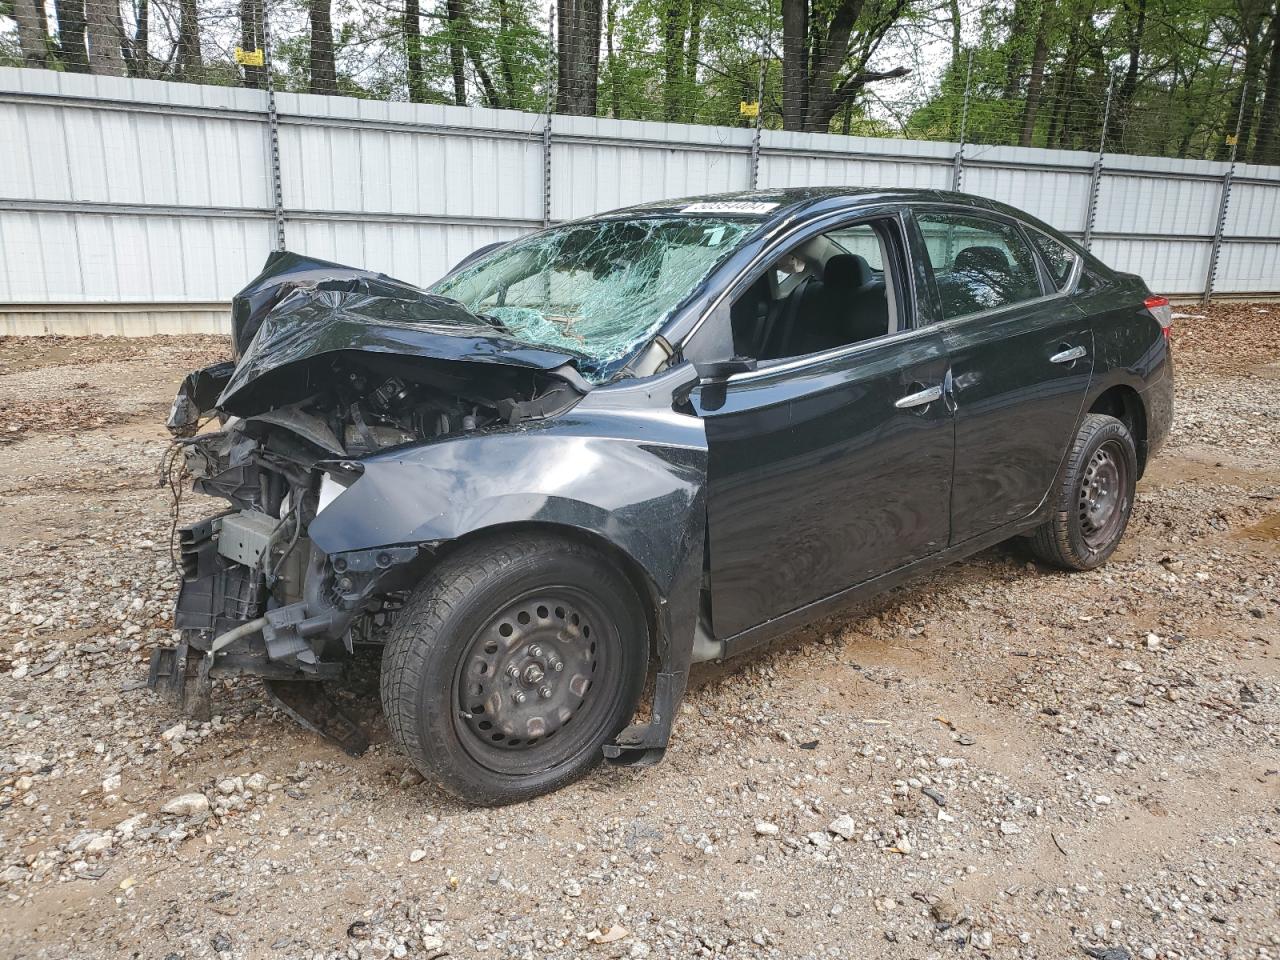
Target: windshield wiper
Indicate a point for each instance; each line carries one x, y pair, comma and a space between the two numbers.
494, 322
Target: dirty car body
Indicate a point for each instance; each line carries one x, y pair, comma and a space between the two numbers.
745, 411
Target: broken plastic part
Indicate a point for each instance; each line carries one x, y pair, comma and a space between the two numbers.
600, 288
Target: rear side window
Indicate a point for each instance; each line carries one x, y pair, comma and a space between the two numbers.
978, 264
1059, 258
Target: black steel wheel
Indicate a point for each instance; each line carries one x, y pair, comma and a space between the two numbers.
512, 664
1093, 498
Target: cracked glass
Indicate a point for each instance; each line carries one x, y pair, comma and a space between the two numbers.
599, 288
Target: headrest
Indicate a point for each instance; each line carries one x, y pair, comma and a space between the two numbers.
846, 271
982, 258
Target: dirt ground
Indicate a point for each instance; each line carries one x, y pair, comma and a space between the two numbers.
997, 761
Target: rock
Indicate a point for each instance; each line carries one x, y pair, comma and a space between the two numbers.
981, 939
111, 784
99, 844
187, 805
935, 795
573, 889
416, 855
765, 829
1108, 953
1009, 828
175, 732
230, 786
844, 827
257, 783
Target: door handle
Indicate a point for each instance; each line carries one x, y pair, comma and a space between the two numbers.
919, 399
1068, 356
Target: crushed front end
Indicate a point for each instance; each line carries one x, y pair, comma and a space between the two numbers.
328, 372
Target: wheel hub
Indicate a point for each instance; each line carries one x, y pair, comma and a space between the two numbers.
528, 672
1102, 493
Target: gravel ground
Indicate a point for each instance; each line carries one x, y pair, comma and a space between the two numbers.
996, 761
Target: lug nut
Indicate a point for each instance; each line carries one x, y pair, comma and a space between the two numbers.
535, 650
545, 693
520, 698
557, 665
513, 672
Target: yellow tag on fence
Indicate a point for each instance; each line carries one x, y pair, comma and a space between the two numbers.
249, 58
749, 109
1231, 139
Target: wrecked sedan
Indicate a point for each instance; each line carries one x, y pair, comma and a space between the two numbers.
661, 435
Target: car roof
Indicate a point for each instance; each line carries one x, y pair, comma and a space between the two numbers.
783, 203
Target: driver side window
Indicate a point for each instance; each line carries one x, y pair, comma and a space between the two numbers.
828, 291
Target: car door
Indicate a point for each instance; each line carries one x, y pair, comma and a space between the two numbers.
1021, 358
825, 470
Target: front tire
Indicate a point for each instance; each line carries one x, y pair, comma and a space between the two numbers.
511, 664
1093, 499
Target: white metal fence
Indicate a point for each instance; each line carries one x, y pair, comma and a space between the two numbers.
142, 206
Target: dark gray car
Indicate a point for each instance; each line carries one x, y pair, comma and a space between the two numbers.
660, 435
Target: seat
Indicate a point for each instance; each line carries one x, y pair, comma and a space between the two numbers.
848, 305
982, 277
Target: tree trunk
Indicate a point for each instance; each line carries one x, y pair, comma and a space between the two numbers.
190, 58
578, 56
795, 65
693, 53
1035, 83
137, 57
32, 32
1266, 149
491, 96
457, 52
673, 28
71, 42
324, 74
1122, 101
1019, 25
953, 8
615, 96
1251, 29
103, 21
505, 42
413, 50
251, 37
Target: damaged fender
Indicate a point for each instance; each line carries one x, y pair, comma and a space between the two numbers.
612, 468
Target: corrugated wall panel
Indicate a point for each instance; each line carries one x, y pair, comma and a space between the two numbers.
1249, 268
418, 253
1254, 211
412, 188
1138, 204
1058, 197
1168, 266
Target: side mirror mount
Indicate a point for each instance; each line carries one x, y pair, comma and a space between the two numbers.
717, 370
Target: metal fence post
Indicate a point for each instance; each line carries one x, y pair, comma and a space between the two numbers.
546, 124
957, 164
1095, 177
755, 137
273, 127
1224, 203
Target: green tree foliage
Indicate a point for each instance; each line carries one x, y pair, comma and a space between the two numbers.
1176, 70
1179, 75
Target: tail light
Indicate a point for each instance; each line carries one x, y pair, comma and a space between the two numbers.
1159, 308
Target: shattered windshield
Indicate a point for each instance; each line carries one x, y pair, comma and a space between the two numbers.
599, 288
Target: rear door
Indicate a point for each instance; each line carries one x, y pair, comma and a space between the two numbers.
1021, 359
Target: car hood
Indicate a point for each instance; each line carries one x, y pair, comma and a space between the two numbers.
299, 312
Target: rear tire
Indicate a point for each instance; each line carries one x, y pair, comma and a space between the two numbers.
511, 664
1093, 499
